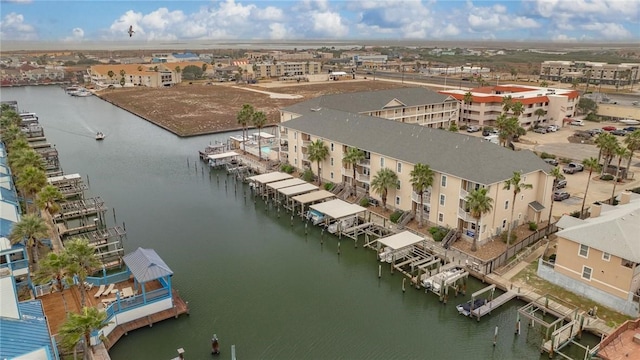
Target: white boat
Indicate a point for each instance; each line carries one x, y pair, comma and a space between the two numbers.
344, 224
630, 122
387, 255
316, 217
435, 282
100, 136
81, 93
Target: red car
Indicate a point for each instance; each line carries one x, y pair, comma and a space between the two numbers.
609, 128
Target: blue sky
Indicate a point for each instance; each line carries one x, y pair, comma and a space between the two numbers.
535, 20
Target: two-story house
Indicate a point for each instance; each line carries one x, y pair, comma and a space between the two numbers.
461, 163
599, 257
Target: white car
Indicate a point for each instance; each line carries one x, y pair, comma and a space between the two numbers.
577, 123
552, 128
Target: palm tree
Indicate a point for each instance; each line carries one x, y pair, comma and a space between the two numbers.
479, 203
33, 228
244, 116
517, 186
352, 157
421, 180
318, 152
507, 101
607, 143
83, 262
31, 180
78, 328
467, 100
54, 266
259, 119
557, 175
622, 153
25, 158
383, 180
632, 141
517, 109
539, 113
48, 198
592, 165
111, 74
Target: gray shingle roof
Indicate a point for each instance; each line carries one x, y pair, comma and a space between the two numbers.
614, 231
461, 155
146, 265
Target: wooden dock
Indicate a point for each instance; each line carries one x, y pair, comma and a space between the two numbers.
561, 337
493, 304
179, 307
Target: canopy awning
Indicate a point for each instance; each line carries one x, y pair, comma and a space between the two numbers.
146, 265
313, 196
223, 155
270, 177
401, 240
298, 189
56, 179
338, 209
285, 183
536, 206
264, 135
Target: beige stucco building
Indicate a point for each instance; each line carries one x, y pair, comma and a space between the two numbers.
487, 105
149, 75
599, 257
284, 68
594, 72
461, 162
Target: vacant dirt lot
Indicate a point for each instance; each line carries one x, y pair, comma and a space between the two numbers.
196, 109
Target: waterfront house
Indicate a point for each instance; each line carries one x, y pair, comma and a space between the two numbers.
599, 257
461, 162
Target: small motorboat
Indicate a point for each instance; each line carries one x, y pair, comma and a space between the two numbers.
215, 345
465, 309
99, 136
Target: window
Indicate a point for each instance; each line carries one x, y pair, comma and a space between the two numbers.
586, 273
521, 197
442, 198
295, 135
381, 162
331, 161
331, 148
399, 167
584, 251
397, 200
606, 256
295, 148
506, 204
504, 223
331, 175
443, 181
440, 217
295, 161
398, 185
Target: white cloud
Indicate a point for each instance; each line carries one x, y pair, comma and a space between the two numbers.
270, 13
77, 34
611, 31
497, 17
563, 38
13, 27
278, 31
328, 24
18, 1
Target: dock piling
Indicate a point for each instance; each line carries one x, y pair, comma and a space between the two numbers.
403, 281
379, 271
338, 247
495, 336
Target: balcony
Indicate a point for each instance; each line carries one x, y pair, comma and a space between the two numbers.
426, 197
347, 172
365, 162
463, 193
306, 143
362, 178
466, 216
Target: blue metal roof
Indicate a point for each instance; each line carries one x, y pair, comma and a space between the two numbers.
8, 195
146, 265
184, 55
5, 227
27, 334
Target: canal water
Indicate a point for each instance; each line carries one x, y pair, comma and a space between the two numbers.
249, 276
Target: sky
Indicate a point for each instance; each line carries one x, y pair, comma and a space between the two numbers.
443, 20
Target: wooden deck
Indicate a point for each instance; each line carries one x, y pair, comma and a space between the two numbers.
493, 304
179, 307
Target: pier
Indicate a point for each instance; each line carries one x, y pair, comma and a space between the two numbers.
493, 303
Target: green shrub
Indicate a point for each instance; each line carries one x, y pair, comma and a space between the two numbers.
364, 202
308, 176
503, 237
565, 160
287, 168
329, 186
463, 127
453, 127
545, 155
395, 216
635, 190
533, 226
575, 214
606, 177
591, 117
487, 128
438, 232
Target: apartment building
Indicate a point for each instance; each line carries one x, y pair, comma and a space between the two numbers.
487, 104
589, 71
149, 75
461, 163
599, 257
278, 69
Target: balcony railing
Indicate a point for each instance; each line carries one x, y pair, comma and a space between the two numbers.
426, 197
465, 215
463, 193
362, 178
365, 162
347, 172
306, 143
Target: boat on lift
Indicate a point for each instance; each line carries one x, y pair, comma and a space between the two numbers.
100, 135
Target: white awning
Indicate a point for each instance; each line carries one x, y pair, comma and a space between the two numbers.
401, 240
298, 189
56, 179
264, 135
285, 183
222, 155
313, 196
8, 211
270, 177
338, 209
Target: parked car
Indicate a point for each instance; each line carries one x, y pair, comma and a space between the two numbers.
552, 128
473, 128
551, 161
596, 131
540, 130
609, 128
560, 195
487, 131
631, 128
619, 132
572, 168
577, 123
561, 184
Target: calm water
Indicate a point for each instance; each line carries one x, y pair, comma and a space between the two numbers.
249, 276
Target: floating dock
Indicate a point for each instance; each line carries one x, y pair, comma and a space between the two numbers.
493, 304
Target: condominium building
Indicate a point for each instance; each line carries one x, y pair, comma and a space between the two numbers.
461, 163
277, 69
487, 104
149, 75
593, 72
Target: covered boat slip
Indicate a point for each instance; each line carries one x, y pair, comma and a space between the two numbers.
340, 217
69, 185
260, 181
272, 188
288, 192
221, 159
309, 198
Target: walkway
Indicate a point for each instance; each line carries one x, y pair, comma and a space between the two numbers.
272, 95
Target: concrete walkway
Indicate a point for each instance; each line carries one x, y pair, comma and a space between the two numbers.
272, 95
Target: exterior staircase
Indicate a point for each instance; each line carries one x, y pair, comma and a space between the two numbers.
450, 238
405, 218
